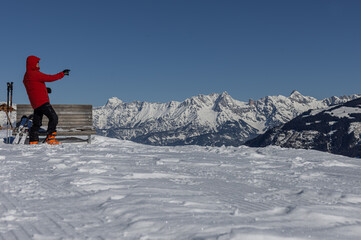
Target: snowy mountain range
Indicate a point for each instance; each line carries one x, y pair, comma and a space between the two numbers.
213, 120
336, 129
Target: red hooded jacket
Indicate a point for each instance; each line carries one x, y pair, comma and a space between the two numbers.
34, 82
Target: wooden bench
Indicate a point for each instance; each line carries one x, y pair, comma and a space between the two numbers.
74, 120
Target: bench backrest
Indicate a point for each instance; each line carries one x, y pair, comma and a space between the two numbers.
70, 116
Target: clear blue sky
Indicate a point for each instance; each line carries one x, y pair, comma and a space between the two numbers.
162, 50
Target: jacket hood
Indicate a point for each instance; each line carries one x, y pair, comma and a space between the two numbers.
31, 62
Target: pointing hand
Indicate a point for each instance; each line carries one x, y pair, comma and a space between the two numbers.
66, 72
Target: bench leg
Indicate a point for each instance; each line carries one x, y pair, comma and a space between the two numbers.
89, 139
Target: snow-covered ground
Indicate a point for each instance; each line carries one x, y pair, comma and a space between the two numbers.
114, 189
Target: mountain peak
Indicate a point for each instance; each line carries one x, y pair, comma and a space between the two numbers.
225, 93
224, 96
114, 101
295, 93
298, 97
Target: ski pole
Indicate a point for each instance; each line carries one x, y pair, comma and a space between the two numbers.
11, 101
11, 109
11, 94
7, 111
7, 100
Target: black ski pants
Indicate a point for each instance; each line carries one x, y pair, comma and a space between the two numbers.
47, 110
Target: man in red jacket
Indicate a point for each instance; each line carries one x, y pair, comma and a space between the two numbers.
34, 82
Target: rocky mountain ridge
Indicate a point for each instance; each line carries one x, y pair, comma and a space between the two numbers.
336, 129
215, 119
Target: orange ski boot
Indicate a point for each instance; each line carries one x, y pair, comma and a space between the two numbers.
51, 139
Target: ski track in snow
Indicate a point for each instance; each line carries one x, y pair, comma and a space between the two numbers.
115, 189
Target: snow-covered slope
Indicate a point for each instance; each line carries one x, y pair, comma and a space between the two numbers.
115, 189
336, 129
215, 119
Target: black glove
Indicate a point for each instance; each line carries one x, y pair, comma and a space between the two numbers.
66, 72
49, 89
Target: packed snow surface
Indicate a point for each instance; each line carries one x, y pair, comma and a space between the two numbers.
115, 189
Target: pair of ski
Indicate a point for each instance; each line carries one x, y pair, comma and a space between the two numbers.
22, 130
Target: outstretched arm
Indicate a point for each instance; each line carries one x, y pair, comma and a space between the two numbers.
49, 78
